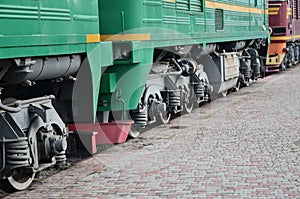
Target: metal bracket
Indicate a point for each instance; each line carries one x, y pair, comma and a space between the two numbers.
37, 110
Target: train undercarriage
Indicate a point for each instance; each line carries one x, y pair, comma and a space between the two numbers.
186, 76
33, 138
34, 135
181, 77
288, 57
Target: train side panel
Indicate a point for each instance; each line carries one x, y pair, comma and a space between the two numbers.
204, 21
45, 24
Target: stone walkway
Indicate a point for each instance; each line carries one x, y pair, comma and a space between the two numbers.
246, 145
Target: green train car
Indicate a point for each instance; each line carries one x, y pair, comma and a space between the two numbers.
97, 68
187, 51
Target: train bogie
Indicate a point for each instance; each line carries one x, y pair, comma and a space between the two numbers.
33, 137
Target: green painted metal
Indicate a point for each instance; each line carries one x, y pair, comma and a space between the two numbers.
127, 80
185, 18
38, 25
37, 28
98, 56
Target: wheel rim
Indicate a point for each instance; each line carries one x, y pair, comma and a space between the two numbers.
164, 117
19, 180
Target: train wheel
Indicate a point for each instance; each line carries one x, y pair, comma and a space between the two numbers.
163, 118
188, 107
237, 86
134, 132
189, 101
224, 93
246, 83
19, 180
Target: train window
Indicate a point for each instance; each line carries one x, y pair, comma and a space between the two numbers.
219, 19
279, 30
255, 3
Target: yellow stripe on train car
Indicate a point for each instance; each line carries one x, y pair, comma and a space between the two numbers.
281, 38
126, 37
93, 38
274, 9
230, 7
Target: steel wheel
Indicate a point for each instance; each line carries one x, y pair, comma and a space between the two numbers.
237, 86
224, 93
19, 180
163, 118
134, 132
188, 107
188, 103
246, 83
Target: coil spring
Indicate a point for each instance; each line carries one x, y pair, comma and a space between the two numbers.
246, 73
17, 154
174, 98
61, 158
199, 89
140, 118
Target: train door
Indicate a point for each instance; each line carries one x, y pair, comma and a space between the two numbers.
197, 15
189, 16
257, 18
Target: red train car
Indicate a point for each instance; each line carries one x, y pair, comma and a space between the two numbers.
284, 23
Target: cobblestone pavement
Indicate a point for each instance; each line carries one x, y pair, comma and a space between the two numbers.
246, 145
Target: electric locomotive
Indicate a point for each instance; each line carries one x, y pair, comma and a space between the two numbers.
97, 69
284, 20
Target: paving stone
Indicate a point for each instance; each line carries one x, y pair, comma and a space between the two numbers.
243, 146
